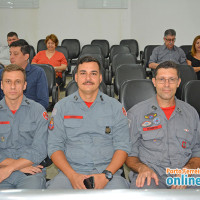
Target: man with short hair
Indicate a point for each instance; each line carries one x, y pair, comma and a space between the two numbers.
165, 133
88, 135
4, 50
23, 134
168, 51
37, 85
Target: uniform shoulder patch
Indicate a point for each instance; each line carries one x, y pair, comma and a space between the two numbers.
124, 111
51, 124
45, 115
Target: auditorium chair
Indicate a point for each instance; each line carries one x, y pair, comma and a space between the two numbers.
73, 47
53, 89
122, 58
186, 48
135, 91
187, 73
116, 49
191, 94
127, 72
132, 45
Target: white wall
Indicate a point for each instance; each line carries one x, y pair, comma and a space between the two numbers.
144, 20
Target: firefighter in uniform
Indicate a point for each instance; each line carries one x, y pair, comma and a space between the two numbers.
88, 134
164, 133
23, 134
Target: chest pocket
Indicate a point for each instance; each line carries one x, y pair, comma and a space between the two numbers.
153, 139
26, 133
185, 138
105, 125
72, 128
5, 136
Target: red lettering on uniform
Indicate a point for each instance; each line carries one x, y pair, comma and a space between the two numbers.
5, 122
184, 144
152, 128
73, 117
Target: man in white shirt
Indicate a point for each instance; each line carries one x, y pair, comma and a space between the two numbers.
4, 50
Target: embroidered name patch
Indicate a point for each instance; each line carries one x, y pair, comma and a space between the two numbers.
73, 117
152, 128
4, 122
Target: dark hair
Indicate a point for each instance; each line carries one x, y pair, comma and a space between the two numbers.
25, 48
12, 68
88, 59
53, 38
167, 65
171, 32
11, 34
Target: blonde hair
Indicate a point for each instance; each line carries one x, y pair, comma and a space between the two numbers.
193, 50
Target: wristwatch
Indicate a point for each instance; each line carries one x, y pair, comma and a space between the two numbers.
108, 174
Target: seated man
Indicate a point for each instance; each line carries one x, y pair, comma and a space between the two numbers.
37, 85
89, 134
164, 133
23, 134
4, 50
167, 51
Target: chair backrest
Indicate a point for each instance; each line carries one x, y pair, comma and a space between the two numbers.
32, 53
73, 87
127, 72
63, 50
73, 47
186, 48
41, 45
191, 94
122, 58
104, 45
99, 57
147, 53
50, 74
135, 91
94, 49
116, 49
187, 73
132, 44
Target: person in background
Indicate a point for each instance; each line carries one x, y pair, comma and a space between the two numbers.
168, 51
193, 57
37, 85
4, 50
52, 57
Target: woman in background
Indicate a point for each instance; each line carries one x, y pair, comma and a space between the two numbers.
193, 57
52, 57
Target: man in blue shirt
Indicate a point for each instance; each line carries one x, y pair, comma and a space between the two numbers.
37, 85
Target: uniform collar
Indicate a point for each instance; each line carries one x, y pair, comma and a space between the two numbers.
99, 98
3, 104
155, 106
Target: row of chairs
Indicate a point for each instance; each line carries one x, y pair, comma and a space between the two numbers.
135, 91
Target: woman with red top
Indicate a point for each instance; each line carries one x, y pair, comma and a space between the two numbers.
52, 57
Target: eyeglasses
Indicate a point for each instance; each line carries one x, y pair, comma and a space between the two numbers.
163, 80
170, 40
